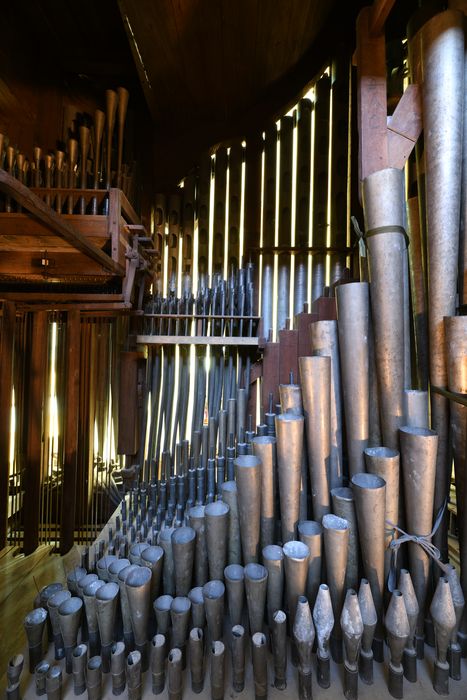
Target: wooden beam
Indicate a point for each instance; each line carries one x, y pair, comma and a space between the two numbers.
6, 383
70, 461
195, 340
34, 424
405, 126
379, 13
23, 195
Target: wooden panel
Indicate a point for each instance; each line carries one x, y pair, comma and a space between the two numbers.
6, 385
188, 222
73, 266
303, 322
270, 383
288, 355
204, 183
128, 428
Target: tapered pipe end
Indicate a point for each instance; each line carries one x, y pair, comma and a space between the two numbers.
378, 650
13, 692
323, 672
441, 678
335, 645
197, 686
365, 667
279, 683
158, 687
350, 683
420, 647
409, 662
396, 682
239, 687
454, 659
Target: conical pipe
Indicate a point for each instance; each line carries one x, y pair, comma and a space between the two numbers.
370, 502
383, 203
40, 677
102, 569
14, 669
444, 620
409, 660
217, 658
183, 549
273, 560
44, 594
418, 291
296, 557
353, 313
69, 615
311, 533
53, 604
117, 668
343, 505
197, 521
79, 662
72, 579
303, 636
162, 606
229, 495
323, 618
198, 614
290, 396
168, 569
180, 612
153, 558
196, 644
458, 600
128, 635
234, 576
418, 459
352, 632
336, 545
94, 678
248, 477
315, 376
138, 591
134, 664
158, 656
325, 341
369, 619
385, 463
217, 529
442, 59
53, 683
289, 433
237, 649
256, 581
260, 665
174, 675
397, 627
106, 606
264, 448
213, 594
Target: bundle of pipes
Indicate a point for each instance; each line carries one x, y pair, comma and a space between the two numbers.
89, 159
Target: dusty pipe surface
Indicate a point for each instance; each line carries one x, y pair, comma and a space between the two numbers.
47, 592
53, 604
336, 545
265, 449
174, 675
279, 648
153, 558
217, 527
183, 549
303, 636
343, 505
40, 675
369, 619
158, 656
397, 627
198, 614
162, 606
196, 644
180, 611
296, 557
94, 678
106, 606
444, 619
352, 632
69, 613
197, 521
290, 396
72, 579
325, 341
289, 432
315, 376
213, 593
138, 590
418, 460
217, 657
53, 684
134, 675
311, 533
418, 292
248, 477
237, 648
234, 576
409, 659
229, 495
79, 662
260, 664
125, 608
353, 313
323, 618
273, 560
90, 609
256, 581
416, 408
168, 570
136, 551
117, 668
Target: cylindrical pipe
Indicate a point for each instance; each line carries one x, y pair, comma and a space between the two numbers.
217, 527
296, 557
53, 604
174, 675
279, 648
458, 600
323, 618
303, 636
336, 545
162, 606
138, 590
53, 684
213, 594
94, 678
237, 644
352, 631
197, 521
40, 674
69, 613
196, 644
256, 581
153, 558
234, 576
106, 606
248, 477
265, 449
168, 570
289, 432
34, 624
260, 665
444, 620
397, 631
229, 496
198, 614
158, 655
117, 668
353, 313
416, 408
273, 560
315, 376
183, 549
180, 615
291, 402
79, 661
134, 675
217, 654
409, 660
369, 619
343, 505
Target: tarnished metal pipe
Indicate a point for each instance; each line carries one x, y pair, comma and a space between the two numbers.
265, 449
198, 614
53, 604
153, 558
418, 291
260, 665
397, 630
323, 618
79, 662
273, 560
343, 505
256, 581
289, 432
183, 550
40, 677
454, 651
106, 607
416, 408
53, 684
230, 496
237, 648
117, 668
444, 619
303, 636
336, 545
217, 654
216, 516
168, 570
196, 645
134, 675
90, 608
213, 593
369, 619
296, 557
353, 313
352, 632
34, 624
315, 376
94, 678
291, 402
248, 477
180, 616
174, 675
162, 606
279, 648
69, 613
234, 576
138, 590
409, 659
197, 521
158, 656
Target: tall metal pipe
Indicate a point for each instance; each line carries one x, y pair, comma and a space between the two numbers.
279, 648
416, 408
343, 505
217, 657
336, 545
418, 459
213, 593
290, 396
196, 518
162, 606
128, 636
229, 495
311, 533
234, 576
248, 477
117, 668
69, 614
325, 341
353, 313
315, 376
196, 644
79, 661
383, 199
265, 449
370, 501
175, 675
458, 600
138, 591
53, 684
158, 656
296, 557
260, 664
134, 664
106, 606
256, 581
418, 292
323, 618
180, 616
53, 604
153, 558
273, 560
40, 675
198, 613
237, 647
289, 432
216, 516
34, 623
168, 570
442, 63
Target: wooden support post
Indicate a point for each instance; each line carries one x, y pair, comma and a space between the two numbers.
33, 420
302, 323
288, 356
70, 462
270, 374
6, 384
129, 409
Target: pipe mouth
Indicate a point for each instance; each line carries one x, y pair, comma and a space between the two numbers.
91, 590
136, 551
94, 663
196, 634
75, 575
157, 641
117, 566
36, 617
213, 589
180, 605
264, 440
364, 480
139, 577
324, 586
57, 599
133, 658
256, 572
80, 650
217, 648
334, 522
280, 617
238, 631
273, 552
259, 639
234, 572
198, 511
117, 649
56, 671
229, 486
216, 509
104, 562
152, 554
85, 581
343, 493
196, 595
108, 591
16, 661
42, 668
289, 418
166, 534
71, 606
124, 573
247, 462
422, 432
296, 550
163, 603
384, 452
175, 656
48, 591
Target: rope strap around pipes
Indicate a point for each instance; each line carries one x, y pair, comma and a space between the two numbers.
387, 229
